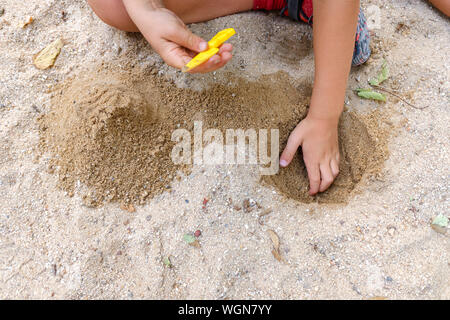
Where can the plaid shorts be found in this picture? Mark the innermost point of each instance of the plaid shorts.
(362, 42)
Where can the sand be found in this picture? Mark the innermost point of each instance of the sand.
(86, 213)
(110, 132)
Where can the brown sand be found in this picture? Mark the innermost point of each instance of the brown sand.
(363, 148)
(110, 132)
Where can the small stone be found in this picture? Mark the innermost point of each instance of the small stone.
(246, 205)
(197, 233)
(391, 231)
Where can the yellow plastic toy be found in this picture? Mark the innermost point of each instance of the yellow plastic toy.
(214, 44)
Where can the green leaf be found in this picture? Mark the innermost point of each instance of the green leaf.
(167, 262)
(383, 75)
(189, 238)
(370, 94)
(441, 221)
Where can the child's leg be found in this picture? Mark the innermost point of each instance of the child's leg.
(113, 12)
(443, 5)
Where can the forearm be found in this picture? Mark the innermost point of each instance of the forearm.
(334, 40)
(133, 5)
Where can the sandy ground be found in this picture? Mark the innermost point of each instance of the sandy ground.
(379, 244)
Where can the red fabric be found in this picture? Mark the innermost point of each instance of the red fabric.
(280, 4)
(268, 4)
(308, 7)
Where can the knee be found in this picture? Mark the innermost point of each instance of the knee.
(113, 13)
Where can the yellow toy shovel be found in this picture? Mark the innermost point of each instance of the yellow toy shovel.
(214, 45)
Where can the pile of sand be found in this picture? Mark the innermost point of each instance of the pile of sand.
(109, 132)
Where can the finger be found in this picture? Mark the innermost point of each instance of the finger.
(326, 177)
(207, 66)
(226, 47)
(185, 38)
(334, 165)
(313, 177)
(174, 55)
(191, 53)
(213, 64)
(294, 141)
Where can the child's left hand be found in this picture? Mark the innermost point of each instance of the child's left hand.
(320, 146)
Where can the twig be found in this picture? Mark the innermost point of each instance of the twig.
(397, 96)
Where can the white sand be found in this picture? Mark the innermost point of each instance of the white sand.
(380, 244)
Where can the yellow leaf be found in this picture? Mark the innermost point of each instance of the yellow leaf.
(47, 57)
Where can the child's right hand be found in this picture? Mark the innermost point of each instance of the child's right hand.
(172, 40)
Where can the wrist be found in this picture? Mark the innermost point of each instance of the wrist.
(326, 104)
(323, 122)
(327, 113)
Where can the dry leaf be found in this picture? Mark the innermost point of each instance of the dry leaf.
(195, 244)
(190, 239)
(27, 22)
(439, 229)
(276, 245)
(275, 239)
(47, 57)
(277, 255)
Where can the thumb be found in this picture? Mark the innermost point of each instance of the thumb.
(294, 141)
(185, 38)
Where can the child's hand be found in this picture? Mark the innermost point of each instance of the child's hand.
(319, 141)
(172, 40)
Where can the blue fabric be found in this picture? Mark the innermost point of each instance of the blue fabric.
(362, 43)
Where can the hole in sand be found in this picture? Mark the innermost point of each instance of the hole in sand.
(109, 132)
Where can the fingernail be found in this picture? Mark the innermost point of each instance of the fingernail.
(283, 163)
(203, 46)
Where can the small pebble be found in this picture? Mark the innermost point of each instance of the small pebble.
(197, 233)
